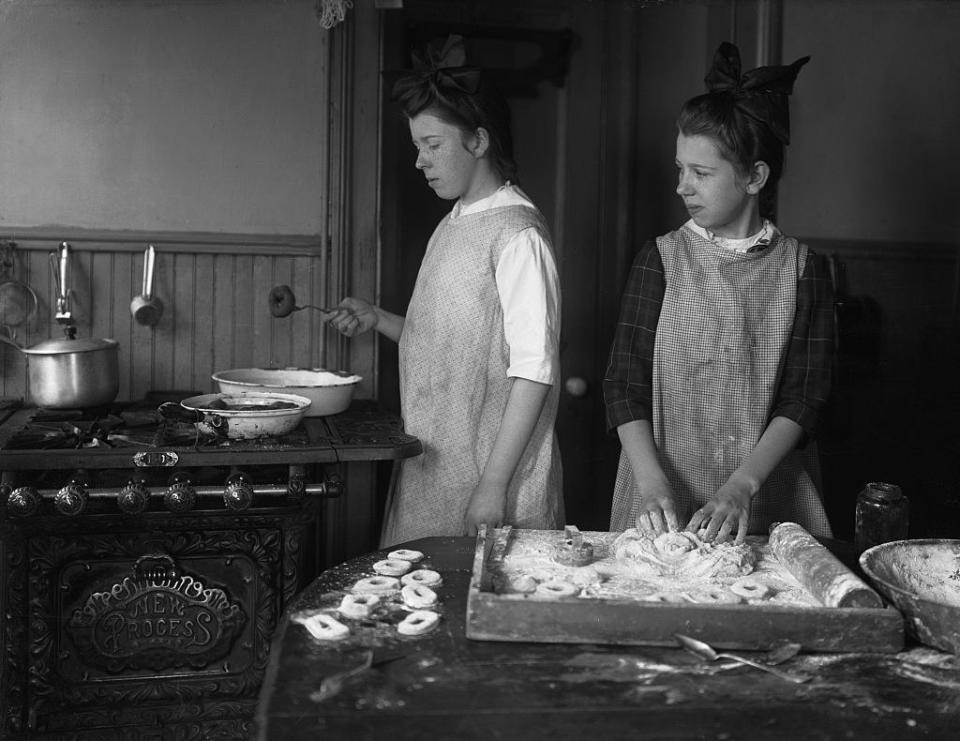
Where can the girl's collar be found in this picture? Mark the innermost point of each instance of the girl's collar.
(484, 203)
(754, 243)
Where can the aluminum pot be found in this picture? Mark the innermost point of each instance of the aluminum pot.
(72, 374)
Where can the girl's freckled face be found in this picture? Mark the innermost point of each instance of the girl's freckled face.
(712, 190)
(442, 155)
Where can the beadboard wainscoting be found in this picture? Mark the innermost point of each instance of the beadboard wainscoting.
(215, 309)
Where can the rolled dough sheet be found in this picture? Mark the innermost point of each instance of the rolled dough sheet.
(671, 571)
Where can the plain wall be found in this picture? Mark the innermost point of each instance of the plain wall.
(181, 115)
(875, 117)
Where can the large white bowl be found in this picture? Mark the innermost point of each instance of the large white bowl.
(922, 579)
(330, 392)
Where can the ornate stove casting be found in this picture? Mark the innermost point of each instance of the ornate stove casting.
(143, 571)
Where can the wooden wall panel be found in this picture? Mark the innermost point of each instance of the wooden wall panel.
(215, 316)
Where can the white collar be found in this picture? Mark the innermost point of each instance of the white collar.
(754, 243)
(507, 194)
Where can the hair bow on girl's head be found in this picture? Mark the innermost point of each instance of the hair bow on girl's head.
(440, 70)
(760, 93)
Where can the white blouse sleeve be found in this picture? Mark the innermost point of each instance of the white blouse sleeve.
(529, 288)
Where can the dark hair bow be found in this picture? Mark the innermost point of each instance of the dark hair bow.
(439, 70)
(760, 93)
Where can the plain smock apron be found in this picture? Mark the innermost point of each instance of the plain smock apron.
(722, 336)
(454, 386)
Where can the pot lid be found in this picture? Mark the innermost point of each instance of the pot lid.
(66, 345)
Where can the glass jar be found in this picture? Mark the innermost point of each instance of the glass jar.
(883, 514)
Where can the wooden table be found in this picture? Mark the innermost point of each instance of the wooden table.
(443, 685)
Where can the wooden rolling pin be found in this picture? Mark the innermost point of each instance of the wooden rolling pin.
(822, 573)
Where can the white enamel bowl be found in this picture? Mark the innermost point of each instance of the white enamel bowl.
(922, 579)
(247, 416)
(329, 392)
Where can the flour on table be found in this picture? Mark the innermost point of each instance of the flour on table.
(673, 567)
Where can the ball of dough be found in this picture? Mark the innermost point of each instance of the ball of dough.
(675, 545)
(392, 567)
(418, 622)
(406, 554)
(524, 584)
(323, 627)
(426, 577)
(358, 605)
(377, 584)
(418, 596)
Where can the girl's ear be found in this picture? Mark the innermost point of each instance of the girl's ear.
(758, 177)
(480, 143)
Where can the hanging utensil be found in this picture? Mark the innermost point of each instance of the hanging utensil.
(706, 651)
(60, 265)
(18, 302)
(147, 308)
(69, 373)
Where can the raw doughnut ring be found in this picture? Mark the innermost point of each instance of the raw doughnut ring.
(418, 596)
(358, 605)
(392, 567)
(282, 301)
(418, 622)
(426, 577)
(405, 554)
(669, 597)
(570, 554)
(377, 584)
(556, 588)
(322, 626)
(750, 588)
(715, 596)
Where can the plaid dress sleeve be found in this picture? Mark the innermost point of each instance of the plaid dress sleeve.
(805, 383)
(628, 381)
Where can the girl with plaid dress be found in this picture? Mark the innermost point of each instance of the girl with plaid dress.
(479, 344)
(721, 358)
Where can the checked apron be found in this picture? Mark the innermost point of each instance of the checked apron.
(454, 386)
(723, 331)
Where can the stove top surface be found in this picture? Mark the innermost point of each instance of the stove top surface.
(131, 432)
(131, 425)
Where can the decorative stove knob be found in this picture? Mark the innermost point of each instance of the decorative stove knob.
(133, 498)
(333, 486)
(23, 501)
(296, 486)
(238, 494)
(180, 497)
(71, 500)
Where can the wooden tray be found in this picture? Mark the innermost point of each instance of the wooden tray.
(514, 617)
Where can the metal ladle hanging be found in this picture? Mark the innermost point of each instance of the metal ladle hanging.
(147, 308)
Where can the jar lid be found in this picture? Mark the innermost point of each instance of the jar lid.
(65, 345)
(884, 491)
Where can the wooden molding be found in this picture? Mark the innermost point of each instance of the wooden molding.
(45, 238)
